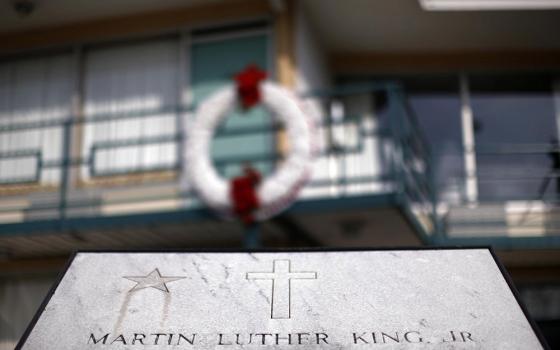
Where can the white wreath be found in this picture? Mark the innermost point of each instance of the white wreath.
(275, 192)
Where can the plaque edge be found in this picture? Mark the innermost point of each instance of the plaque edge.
(45, 302)
(490, 249)
(517, 296)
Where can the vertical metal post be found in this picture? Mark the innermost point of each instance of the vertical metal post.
(438, 232)
(471, 186)
(391, 116)
(185, 100)
(78, 117)
(556, 94)
(65, 171)
(184, 97)
(336, 115)
(396, 125)
(252, 236)
(69, 149)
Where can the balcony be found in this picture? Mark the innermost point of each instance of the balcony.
(373, 184)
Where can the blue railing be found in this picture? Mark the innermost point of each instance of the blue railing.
(516, 203)
(22, 154)
(406, 171)
(404, 160)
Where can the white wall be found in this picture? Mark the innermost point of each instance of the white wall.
(311, 58)
(313, 74)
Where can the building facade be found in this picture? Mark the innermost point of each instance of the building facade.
(436, 127)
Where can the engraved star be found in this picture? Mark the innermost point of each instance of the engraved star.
(153, 280)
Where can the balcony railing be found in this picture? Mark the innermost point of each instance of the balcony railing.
(517, 203)
(372, 152)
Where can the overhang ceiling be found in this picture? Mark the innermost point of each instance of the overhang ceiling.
(57, 12)
(343, 26)
(402, 25)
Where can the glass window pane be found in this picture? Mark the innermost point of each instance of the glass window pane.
(133, 89)
(515, 129)
(213, 65)
(36, 90)
(436, 104)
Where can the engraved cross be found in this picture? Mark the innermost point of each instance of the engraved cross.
(281, 277)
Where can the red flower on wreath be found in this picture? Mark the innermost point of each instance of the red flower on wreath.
(244, 194)
(248, 85)
(243, 191)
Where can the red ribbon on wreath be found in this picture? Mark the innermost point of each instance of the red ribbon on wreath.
(244, 195)
(248, 85)
(243, 189)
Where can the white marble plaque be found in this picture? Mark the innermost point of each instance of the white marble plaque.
(387, 299)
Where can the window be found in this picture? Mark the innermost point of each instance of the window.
(436, 104)
(214, 62)
(515, 128)
(33, 91)
(130, 101)
(130, 106)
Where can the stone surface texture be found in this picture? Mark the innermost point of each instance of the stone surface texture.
(394, 299)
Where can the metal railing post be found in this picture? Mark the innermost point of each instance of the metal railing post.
(395, 124)
(65, 171)
(438, 234)
(406, 132)
(252, 238)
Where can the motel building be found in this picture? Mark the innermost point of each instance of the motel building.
(437, 124)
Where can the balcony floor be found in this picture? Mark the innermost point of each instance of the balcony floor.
(372, 220)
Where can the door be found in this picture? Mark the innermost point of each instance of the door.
(214, 63)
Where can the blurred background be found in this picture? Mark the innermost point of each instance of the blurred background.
(439, 123)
